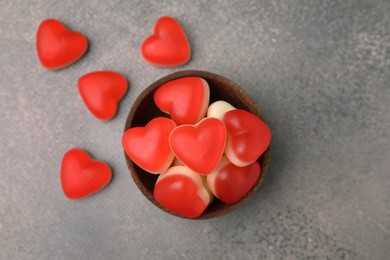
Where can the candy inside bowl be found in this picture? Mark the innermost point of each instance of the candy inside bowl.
(144, 110)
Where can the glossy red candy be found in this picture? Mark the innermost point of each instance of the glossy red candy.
(81, 175)
(101, 92)
(168, 45)
(248, 137)
(184, 99)
(148, 146)
(199, 147)
(181, 190)
(230, 183)
(57, 46)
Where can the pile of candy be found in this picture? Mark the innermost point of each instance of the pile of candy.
(200, 151)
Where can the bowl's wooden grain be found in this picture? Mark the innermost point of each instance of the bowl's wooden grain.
(144, 109)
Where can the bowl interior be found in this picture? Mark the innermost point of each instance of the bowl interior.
(144, 110)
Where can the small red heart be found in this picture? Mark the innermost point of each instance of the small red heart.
(82, 176)
(181, 190)
(199, 147)
(168, 45)
(101, 92)
(248, 137)
(148, 146)
(57, 46)
(230, 183)
(184, 99)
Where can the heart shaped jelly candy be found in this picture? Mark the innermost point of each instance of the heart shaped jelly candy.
(148, 146)
(81, 175)
(218, 109)
(101, 92)
(181, 190)
(168, 45)
(57, 46)
(248, 137)
(230, 183)
(184, 99)
(200, 147)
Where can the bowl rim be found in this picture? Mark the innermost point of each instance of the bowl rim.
(244, 98)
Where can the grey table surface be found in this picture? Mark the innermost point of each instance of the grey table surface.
(319, 71)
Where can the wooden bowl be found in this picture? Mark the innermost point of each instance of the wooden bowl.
(144, 109)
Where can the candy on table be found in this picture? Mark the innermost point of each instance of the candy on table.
(181, 190)
(219, 108)
(176, 162)
(81, 175)
(184, 99)
(248, 137)
(229, 183)
(58, 47)
(101, 92)
(168, 46)
(199, 147)
(148, 146)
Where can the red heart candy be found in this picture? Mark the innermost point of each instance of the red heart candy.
(248, 137)
(101, 92)
(181, 190)
(148, 146)
(168, 45)
(82, 176)
(184, 99)
(200, 147)
(230, 183)
(57, 46)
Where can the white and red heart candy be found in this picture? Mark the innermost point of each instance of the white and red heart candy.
(182, 191)
(188, 149)
(230, 183)
(148, 146)
(200, 146)
(248, 137)
(184, 99)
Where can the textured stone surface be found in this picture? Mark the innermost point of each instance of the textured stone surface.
(319, 70)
